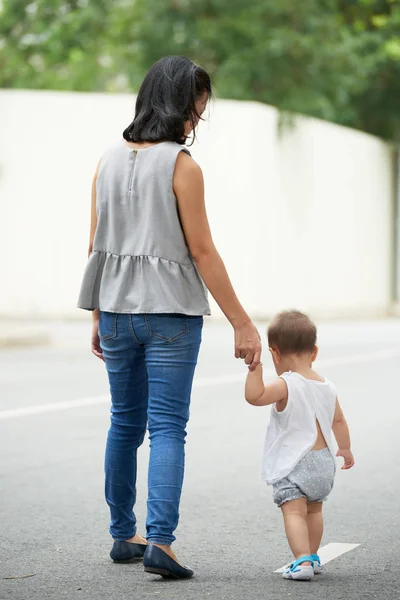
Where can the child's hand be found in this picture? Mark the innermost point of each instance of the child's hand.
(348, 458)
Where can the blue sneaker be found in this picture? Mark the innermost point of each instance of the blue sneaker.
(317, 564)
(298, 572)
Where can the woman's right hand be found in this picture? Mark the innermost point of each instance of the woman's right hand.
(248, 344)
(95, 338)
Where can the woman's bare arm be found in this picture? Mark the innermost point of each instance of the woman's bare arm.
(95, 341)
(188, 187)
(93, 212)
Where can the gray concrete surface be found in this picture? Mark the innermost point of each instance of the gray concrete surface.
(54, 520)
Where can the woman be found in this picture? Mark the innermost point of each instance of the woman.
(150, 252)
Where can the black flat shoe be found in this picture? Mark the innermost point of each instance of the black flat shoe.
(158, 562)
(125, 552)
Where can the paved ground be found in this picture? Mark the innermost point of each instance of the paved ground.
(54, 521)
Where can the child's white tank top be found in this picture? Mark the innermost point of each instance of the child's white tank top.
(293, 432)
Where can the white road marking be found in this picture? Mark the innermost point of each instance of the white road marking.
(328, 553)
(44, 408)
(198, 383)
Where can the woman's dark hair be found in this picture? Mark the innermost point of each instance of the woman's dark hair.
(166, 100)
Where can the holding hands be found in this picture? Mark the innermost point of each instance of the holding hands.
(248, 344)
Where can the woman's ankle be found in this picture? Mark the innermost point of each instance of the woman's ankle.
(168, 550)
(137, 539)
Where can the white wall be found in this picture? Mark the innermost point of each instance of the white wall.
(303, 219)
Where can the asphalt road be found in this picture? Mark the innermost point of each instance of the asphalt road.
(54, 520)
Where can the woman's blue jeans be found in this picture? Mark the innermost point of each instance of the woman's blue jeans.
(150, 361)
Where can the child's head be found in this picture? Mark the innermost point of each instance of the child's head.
(292, 334)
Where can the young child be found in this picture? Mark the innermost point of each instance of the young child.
(299, 456)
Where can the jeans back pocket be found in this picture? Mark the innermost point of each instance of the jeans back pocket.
(167, 327)
(107, 326)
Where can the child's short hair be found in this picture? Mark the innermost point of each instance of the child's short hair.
(292, 332)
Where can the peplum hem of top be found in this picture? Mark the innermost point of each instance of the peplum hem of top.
(142, 285)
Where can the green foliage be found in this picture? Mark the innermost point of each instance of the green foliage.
(53, 44)
(377, 23)
(334, 59)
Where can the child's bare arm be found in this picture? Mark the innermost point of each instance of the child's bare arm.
(259, 395)
(341, 432)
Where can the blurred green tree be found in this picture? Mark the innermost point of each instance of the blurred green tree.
(333, 59)
(54, 44)
(376, 23)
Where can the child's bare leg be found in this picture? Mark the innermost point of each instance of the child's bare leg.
(294, 516)
(315, 525)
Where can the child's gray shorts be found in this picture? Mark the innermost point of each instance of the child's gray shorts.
(312, 478)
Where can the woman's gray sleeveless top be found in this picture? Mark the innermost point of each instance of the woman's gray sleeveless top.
(140, 261)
